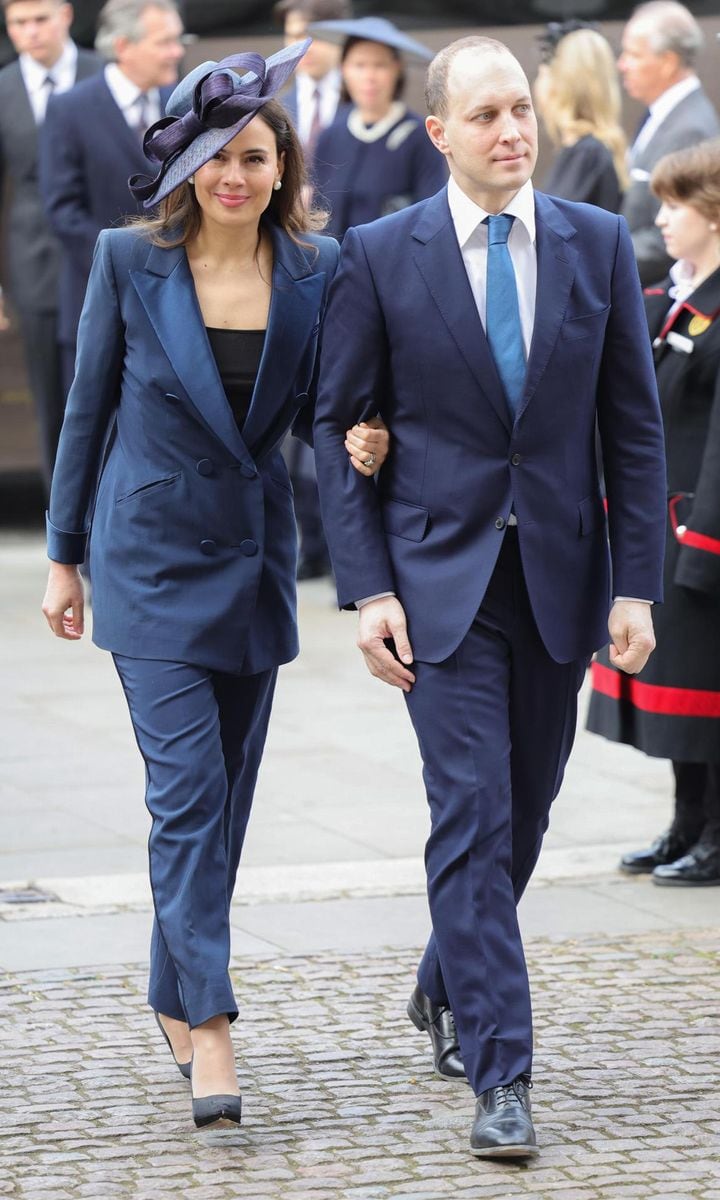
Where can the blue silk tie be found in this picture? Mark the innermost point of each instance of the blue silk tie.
(502, 320)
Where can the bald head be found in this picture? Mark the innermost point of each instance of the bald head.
(450, 61)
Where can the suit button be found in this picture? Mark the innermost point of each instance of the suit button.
(172, 397)
(516, 460)
(205, 466)
(500, 523)
(247, 472)
(248, 547)
(208, 546)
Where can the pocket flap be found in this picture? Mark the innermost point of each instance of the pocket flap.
(405, 520)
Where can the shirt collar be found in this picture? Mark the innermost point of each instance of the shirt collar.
(124, 92)
(667, 101)
(34, 73)
(467, 215)
(306, 85)
(681, 273)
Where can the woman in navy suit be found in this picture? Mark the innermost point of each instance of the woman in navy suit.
(197, 352)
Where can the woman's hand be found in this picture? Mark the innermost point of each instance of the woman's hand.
(64, 602)
(368, 445)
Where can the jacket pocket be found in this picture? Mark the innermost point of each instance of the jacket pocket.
(592, 514)
(584, 325)
(151, 485)
(405, 520)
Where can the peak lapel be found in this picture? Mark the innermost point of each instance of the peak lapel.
(556, 262)
(167, 292)
(440, 262)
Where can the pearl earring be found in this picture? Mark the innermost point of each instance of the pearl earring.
(277, 185)
(713, 227)
(191, 180)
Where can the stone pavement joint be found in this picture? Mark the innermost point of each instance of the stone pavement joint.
(339, 1096)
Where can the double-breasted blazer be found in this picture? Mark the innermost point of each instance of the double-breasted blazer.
(402, 335)
(192, 542)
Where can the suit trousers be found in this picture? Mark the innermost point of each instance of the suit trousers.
(42, 358)
(495, 723)
(201, 734)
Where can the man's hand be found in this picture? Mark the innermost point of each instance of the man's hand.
(631, 629)
(381, 619)
(64, 602)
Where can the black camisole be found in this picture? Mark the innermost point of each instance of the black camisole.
(237, 354)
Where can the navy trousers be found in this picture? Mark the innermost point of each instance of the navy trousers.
(201, 734)
(495, 723)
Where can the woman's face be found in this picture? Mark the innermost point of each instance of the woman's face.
(371, 72)
(235, 187)
(686, 232)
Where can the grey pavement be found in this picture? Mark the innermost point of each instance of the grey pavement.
(328, 919)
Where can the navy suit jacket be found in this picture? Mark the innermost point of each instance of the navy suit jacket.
(193, 544)
(87, 153)
(402, 336)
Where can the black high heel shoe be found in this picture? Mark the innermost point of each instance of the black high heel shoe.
(185, 1069)
(217, 1111)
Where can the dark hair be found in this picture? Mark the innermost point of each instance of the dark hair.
(436, 83)
(354, 41)
(691, 176)
(179, 215)
(313, 10)
(555, 31)
(5, 4)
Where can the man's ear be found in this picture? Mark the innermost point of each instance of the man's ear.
(436, 133)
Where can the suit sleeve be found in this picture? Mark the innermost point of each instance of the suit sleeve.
(303, 425)
(352, 387)
(90, 410)
(699, 560)
(63, 183)
(631, 434)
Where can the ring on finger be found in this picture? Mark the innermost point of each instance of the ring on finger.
(370, 461)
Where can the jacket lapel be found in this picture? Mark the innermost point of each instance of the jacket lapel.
(556, 262)
(167, 292)
(439, 260)
(295, 309)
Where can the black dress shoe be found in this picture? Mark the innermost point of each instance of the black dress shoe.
(665, 849)
(217, 1111)
(503, 1126)
(700, 867)
(185, 1069)
(438, 1021)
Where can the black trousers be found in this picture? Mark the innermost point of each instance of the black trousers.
(42, 358)
(697, 802)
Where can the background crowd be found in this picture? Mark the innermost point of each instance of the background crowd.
(72, 124)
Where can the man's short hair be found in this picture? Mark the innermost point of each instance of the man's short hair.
(123, 18)
(5, 4)
(671, 26)
(436, 83)
(313, 10)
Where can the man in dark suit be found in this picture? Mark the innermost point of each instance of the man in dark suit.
(48, 63)
(659, 48)
(312, 101)
(92, 141)
(492, 327)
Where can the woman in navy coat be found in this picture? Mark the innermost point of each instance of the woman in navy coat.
(376, 157)
(197, 352)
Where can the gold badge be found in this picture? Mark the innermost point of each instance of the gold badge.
(698, 325)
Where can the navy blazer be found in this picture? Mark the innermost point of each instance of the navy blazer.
(87, 153)
(402, 336)
(193, 544)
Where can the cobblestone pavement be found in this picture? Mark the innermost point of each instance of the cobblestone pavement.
(340, 1100)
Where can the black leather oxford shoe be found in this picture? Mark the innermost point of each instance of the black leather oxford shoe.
(503, 1126)
(438, 1021)
(700, 867)
(665, 849)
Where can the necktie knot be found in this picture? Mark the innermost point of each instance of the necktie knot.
(499, 226)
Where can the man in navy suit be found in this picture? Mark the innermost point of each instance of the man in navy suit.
(493, 328)
(91, 141)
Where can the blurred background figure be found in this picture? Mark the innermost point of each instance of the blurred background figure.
(92, 139)
(659, 47)
(577, 96)
(672, 708)
(314, 95)
(312, 101)
(48, 63)
(376, 157)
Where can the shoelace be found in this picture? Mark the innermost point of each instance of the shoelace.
(509, 1093)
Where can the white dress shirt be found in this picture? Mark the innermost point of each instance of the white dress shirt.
(329, 88)
(35, 78)
(660, 109)
(126, 95)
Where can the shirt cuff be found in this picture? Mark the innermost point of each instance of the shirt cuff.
(367, 599)
(632, 600)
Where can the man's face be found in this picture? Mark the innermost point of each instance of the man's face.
(321, 58)
(489, 135)
(153, 60)
(645, 73)
(39, 28)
